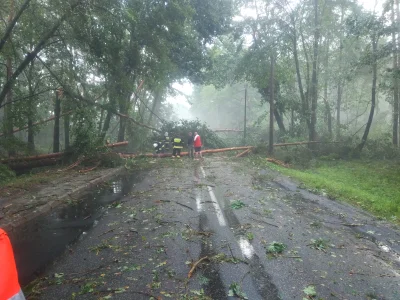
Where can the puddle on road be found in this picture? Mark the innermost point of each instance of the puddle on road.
(44, 239)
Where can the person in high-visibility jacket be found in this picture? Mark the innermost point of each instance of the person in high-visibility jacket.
(166, 143)
(9, 285)
(177, 146)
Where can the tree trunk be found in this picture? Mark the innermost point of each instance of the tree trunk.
(56, 135)
(338, 107)
(123, 109)
(106, 125)
(328, 114)
(304, 100)
(31, 135)
(31, 111)
(101, 120)
(314, 83)
(12, 21)
(339, 84)
(8, 109)
(279, 121)
(373, 94)
(292, 122)
(271, 107)
(66, 131)
(395, 82)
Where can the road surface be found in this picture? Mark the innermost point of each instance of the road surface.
(224, 214)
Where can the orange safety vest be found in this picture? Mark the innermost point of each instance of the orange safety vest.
(9, 285)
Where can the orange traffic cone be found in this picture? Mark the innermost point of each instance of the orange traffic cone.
(9, 285)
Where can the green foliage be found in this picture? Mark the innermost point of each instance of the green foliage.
(250, 236)
(6, 174)
(319, 244)
(237, 204)
(84, 133)
(182, 127)
(310, 292)
(381, 148)
(276, 248)
(235, 290)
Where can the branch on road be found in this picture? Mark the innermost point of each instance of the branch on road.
(190, 274)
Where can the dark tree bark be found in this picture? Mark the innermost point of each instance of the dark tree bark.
(8, 109)
(279, 120)
(11, 24)
(31, 111)
(66, 131)
(328, 115)
(304, 101)
(292, 122)
(271, 107)
(31, 135)
(373, 94)
(57, 113)
(101, 121)
(340, 81)
(123, 108)
(314, 83)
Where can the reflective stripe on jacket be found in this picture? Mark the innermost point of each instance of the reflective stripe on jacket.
(9, 285)
(177, 143)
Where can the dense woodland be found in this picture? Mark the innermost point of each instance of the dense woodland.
(97, 70)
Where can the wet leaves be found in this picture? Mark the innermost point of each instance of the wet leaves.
(237, 204)
(319, 244)
(276, 248)
(250, 236)
(222, 257)
(310, 292)
(235, 290)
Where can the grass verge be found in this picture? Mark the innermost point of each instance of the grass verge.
(371, 185)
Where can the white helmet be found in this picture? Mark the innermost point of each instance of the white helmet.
(166, 133)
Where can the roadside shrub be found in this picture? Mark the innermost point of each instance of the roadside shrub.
(6, 174)
(381, 148)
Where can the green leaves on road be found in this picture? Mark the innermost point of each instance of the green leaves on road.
(237, 204)
(235, 290)
(310, 292)
(276, 248)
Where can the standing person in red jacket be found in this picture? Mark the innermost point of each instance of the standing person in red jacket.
(197, 146)
(9, 285)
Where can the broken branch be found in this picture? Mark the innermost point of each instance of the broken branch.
(195, 266)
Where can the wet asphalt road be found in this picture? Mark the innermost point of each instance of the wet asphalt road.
(145, 244)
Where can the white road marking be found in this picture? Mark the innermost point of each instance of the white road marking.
(220, 215)
(202, 171)
(198, 200)
(246, 247)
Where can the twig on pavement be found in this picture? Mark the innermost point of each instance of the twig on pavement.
(265, 222)
(195, 266)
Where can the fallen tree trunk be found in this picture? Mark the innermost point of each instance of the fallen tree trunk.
(209, 151)
(278, 162)
(243, 153)
(295, 144)
(227, 130)
(57, 155)
(23, 165)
